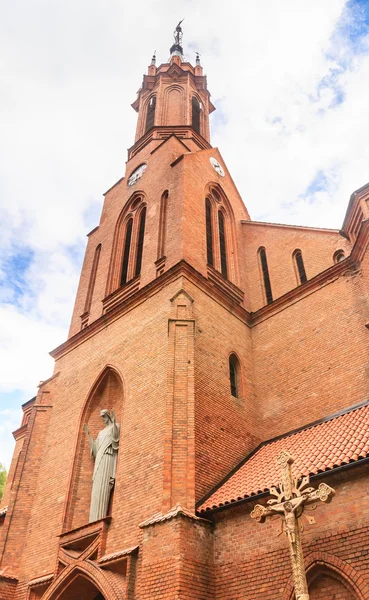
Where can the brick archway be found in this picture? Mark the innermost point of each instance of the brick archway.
(101, 581)
(324, 563)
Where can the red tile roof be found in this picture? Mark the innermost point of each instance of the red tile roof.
(319, 447)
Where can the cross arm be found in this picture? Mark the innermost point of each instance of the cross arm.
(324, 493)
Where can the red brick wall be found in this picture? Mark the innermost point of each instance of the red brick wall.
(317, 248)
(310, 358)
(176, 561)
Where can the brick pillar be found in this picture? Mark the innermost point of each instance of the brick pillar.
(179, 450)
(24, 486)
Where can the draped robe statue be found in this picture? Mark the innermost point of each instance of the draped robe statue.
(104, 450)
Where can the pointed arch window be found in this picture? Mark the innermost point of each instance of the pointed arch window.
(140, 241)
(150, 115)
(209, 233)
(300, 267)
(234, 375)
(126, 252)
(265, 272)
(162, 224)
(196, 110)
(222, 245)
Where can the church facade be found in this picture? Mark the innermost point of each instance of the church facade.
(205, 344)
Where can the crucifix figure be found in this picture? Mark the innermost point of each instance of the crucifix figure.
(289, 501)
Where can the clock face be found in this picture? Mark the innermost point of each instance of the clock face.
(216, 166)
(137, 173)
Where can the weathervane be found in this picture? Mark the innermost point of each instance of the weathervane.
(176, 49)
(288, 502)
(178, 34)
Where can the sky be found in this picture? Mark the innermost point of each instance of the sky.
(290, 82)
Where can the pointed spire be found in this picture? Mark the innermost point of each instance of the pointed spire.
(177, 49)
(153, 59)
(198, 58)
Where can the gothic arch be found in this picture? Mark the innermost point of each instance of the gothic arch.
(174, 105)
(220, 203)
(91, 574)
(107, 392)
(150, 112)
(132, 209)
(323, 563)
(235, 375)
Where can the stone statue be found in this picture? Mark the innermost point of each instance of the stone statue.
(104, 450)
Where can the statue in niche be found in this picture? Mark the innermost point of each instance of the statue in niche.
(104, 451)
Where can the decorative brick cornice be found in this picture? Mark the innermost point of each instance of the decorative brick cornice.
(5, 573)
(115, 556)
(41, 580)
(174, 512)
(225, 294)
(164, 132)
(182, 268)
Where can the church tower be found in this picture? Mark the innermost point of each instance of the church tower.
(198, 339)
(155, 315)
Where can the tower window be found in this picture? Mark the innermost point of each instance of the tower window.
(150, 116)
(266, 278)
(127, 248)
(234, 375)
(209, 233)
(300, 266)
(222, 245)
(196, 109)
(140, 241)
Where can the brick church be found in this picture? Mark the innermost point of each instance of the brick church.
(207, 343)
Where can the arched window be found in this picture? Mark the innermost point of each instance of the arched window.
(222, 245)
(266, 278)
(162, 224)
(209, 233)
(300, 266)
(150, 116)
(126, 251)
(91, 283)
(140, 241)
(196, 109)
(338, 256)
(234, 375)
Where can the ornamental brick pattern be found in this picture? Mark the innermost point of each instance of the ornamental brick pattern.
(156, 350)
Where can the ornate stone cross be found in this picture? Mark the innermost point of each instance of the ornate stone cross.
(290, 499)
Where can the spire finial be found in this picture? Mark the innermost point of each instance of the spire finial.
(176, 49)
(198, 58)
(153, 59)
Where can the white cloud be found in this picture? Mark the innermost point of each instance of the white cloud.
(290, 84)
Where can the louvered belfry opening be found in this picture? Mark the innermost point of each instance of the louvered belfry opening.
(140, 241)
(127, 248)
(266, 278)
(150, 116)
(300, 266)
(222, 245)
(209, 233)
(196, 110)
